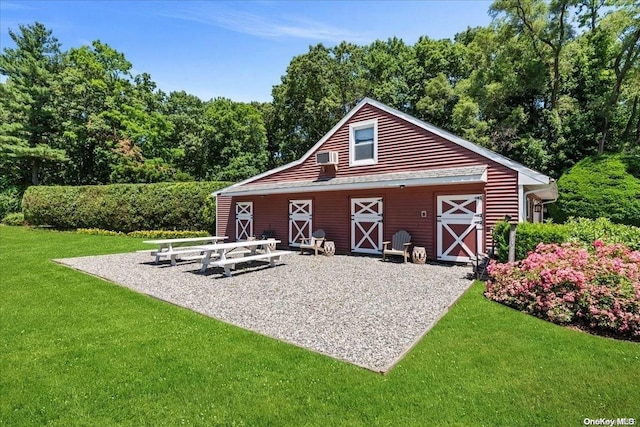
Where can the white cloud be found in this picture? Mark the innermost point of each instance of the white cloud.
(267, 26)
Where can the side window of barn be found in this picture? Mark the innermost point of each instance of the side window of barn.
(363, 143)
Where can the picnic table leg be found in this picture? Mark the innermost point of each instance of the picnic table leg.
(227, 270)
(227, 267)
(205, 261)
(272, 260)
(158, 254)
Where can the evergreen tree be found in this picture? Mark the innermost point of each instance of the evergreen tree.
(30, 127)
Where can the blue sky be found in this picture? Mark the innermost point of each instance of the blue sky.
(239, 49)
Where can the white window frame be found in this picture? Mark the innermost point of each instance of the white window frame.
(353, 127)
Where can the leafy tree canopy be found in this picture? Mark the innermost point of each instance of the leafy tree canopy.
(548, 84)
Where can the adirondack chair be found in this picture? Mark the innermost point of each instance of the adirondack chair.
(268, 234)
(315, 243)
(400, 243)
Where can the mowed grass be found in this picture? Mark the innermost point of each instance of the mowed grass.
(77, 350)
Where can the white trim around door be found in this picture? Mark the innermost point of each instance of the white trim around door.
(300, 221)
(244, 220)
(366, 225)
(460, 221)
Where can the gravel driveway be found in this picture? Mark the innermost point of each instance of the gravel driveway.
(357, 309)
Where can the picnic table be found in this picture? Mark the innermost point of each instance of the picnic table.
(174, 247)
(227, 255)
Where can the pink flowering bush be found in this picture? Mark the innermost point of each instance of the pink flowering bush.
(596, 289)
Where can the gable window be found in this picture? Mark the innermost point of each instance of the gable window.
(363, 143)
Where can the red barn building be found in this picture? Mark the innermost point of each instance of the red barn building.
(379, 171)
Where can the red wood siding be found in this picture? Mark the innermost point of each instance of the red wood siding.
(225, 217)
(398, 141)
(501, 197)
(403, 147)
(331, 212)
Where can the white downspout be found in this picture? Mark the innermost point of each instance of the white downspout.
(523, 206)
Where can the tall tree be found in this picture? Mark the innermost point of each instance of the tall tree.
(315, 93)
(547, 26)
(97, 85)
(30, 128)
(234, 140)
(273, 132)
(186, 114)
(624, 24)
(439, 65)
(385, 66)
(110, 114)
(589, 12)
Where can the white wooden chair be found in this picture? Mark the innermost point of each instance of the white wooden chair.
(315, 243)
(400, 243)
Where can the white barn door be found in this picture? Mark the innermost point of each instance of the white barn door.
(300, 221)
(244, 220)
(460, 227)
(366, 225)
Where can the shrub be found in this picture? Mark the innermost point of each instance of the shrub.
(581, 230)
(123, 207)
(600, 186)
(16, 218)
(587, 230)
(9, 201)
(167, 234)
(145, 234)
(98, 232)
(528, 236)
(597, 289)
(501, 240)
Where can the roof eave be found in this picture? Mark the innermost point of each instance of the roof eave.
(546, 192)
(534, 178)
(399, 183)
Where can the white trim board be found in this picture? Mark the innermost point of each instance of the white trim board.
(465, 176)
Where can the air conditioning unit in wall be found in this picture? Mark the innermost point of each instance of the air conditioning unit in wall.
(324, 158)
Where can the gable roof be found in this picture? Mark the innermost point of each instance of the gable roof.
(526, 176)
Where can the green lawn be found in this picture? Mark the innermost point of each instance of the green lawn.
(77, 350)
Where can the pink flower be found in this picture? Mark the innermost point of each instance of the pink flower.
(566, 283)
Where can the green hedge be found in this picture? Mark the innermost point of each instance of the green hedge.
(124, 207)
(600, 186)
(528, 236)
(168, 234)
(582, 230)
(145, 234)
(9, 201)
(13, 219)
(587, 231)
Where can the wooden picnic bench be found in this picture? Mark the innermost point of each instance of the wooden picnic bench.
(174, 248)
(227, 255)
